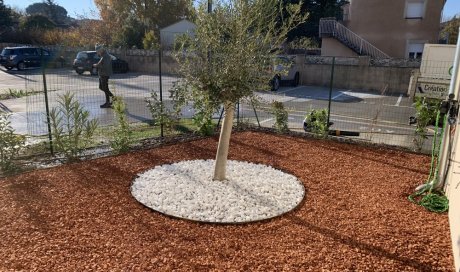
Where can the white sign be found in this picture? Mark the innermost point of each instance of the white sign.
(432, 88)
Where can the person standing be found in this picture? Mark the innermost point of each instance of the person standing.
(104, 69)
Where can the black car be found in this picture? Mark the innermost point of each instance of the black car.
(85, 59)
(24, 57)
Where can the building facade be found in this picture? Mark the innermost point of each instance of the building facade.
(396, 28)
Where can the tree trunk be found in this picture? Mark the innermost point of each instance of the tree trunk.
(224, 142)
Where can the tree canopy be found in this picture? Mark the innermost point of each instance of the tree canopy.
(230, 56)
(131, 20)
(36, 22)
(316, 10)
(450, 30)
(6, 19)
(49, 9)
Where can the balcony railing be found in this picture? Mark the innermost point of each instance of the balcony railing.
(329, 27)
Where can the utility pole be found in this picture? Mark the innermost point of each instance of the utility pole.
(452, 101)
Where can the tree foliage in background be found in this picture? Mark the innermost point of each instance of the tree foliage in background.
(36, 23)
(49, 9)
(131, 33)
(150, 40)
(140, 16)
(450, 30)
(6, 20)
(229, 56)
(316, 9)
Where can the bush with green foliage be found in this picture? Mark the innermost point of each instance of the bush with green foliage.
(316, 121)
(281, 117)
(150, 40)
(36, 23)
(122, 134)
(10, 143)
(71, 127)
(161, 115)
(303, 43)
(426, 112)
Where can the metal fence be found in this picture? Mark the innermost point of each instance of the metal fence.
(373, 115)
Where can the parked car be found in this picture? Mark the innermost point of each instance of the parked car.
(24, 57)
(85, 59)
(286, 73)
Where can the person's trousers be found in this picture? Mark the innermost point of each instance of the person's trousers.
(104, 86)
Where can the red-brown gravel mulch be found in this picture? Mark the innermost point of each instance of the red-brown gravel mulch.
(355, 217)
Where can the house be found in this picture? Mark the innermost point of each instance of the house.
(382, 28)
(168, 34)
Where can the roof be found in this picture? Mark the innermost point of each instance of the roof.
(172, 26)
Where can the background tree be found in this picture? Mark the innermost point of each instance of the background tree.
(6, 20)
(49, 9)
(316, 9)
(36, 22)
(150, 40)
(228, 57)
(131, 34)
(152, 14)
(450, 30)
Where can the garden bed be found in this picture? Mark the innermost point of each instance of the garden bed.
(355, 215)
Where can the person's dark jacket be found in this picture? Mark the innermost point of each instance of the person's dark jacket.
(104, 66)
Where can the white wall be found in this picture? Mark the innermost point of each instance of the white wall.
(169, 33)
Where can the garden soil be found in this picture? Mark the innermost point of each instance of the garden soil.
(355, 216)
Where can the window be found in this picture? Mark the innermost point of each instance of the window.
(415, 50)
(415, 9)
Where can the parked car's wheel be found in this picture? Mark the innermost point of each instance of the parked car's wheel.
(21, 66)
(93, 71)
(9, 67)
(276, 82)
(79, 71)
(296, 80)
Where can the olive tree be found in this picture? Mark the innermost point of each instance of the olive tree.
(230, 56)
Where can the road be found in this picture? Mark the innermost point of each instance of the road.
(378, 117)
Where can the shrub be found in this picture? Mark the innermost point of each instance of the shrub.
(71, 128)
(426, 111)
(281, 117)
(150, 41)
(316, 122)
(122, 134)
(161, 115)
(10, 144)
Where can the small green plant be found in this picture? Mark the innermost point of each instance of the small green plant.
(281, 117)
(161, 115)
(16, 93)
(10, 144)
(426, 111)
(316, 122)
(71, 128)
(122, 134)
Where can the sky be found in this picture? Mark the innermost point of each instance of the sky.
(76, 8)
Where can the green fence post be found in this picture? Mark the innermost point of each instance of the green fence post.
(330, 92)
(161, 92)
(45, 89)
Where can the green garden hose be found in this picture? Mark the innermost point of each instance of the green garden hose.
(424, 195)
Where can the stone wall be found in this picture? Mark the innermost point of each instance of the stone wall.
(358, 73)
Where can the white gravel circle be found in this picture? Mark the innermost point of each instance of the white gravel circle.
(185, 189)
